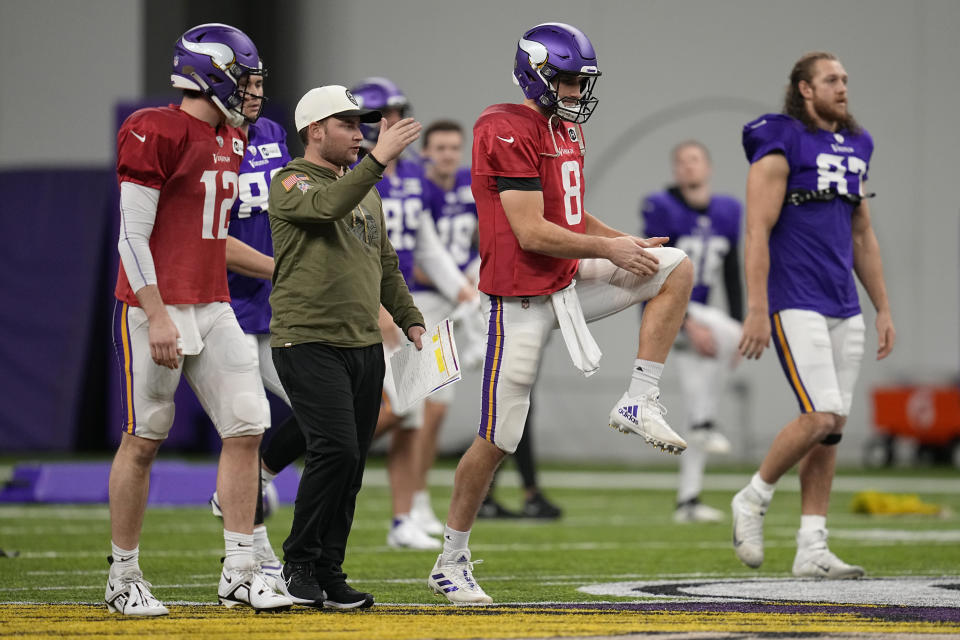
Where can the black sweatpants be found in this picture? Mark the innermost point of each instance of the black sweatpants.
(335, 396)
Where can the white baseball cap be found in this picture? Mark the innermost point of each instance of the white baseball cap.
(331, 100)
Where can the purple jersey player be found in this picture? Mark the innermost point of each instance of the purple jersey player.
(808, 231)
(707, 227)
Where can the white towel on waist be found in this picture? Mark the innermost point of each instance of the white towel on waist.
(573, 326)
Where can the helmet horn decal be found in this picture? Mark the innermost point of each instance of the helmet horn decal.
(535, 51)
(221, 55)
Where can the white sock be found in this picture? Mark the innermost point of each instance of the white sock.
(454, 541)
(645, 378)
(762, 487)
(239, 549)
(260, 538)
(400, 518)
(421, 500)
(813, 523)
(125, 558)
(266, 476)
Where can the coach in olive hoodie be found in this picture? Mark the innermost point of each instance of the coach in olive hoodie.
(334, 267)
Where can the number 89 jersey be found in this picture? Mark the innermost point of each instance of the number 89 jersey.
(266, 154)
(514, 141)
(811, 245)
(194, 166)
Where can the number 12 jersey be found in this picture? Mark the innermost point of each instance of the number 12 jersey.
(195, 167)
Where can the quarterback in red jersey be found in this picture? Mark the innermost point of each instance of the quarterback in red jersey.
(177, 168)
(546, 262)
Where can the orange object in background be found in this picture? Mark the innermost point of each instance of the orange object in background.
(927, 414)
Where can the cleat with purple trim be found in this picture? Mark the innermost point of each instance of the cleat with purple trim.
(643, 415)
(455, 580)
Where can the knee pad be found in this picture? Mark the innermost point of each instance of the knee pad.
(251, 408)
(159, 419)
(832, 439)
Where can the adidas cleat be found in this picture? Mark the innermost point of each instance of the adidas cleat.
(643, 415)
(454, 580)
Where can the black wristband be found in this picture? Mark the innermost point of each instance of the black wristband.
(377, 162)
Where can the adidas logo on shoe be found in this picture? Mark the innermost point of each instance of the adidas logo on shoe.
(630, 413)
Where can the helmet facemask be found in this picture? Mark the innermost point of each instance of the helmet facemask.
(582, 110)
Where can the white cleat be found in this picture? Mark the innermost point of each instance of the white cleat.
(128, 593)
(748, 510)
(709, 440)
(249, 587)
(455, 580)
(643, 415)
(270, 566)
(422, 514)
(815, 560)
(696, 511)
(405, 534)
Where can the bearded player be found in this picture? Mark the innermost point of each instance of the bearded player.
(808, 232)
(536, 239)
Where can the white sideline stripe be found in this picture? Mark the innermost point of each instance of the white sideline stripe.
(880, 538)
(668, 480)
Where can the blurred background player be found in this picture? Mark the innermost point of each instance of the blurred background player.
(707, 228)
(808, 231)
(177, 167)
(449, 200)
(413, 234)
(535, 238)
(251, 269)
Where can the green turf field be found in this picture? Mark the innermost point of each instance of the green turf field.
(607, 534)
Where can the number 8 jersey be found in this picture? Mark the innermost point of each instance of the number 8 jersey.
(811, 244)
(514, 141)
(194, 166)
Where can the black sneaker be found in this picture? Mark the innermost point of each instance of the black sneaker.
(340, 595)
(490, 508)
(299, 583)
(539, 507)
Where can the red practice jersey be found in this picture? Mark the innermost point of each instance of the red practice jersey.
(194, 166)
(514, 141)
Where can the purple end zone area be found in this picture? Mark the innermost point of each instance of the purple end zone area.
(171, 483)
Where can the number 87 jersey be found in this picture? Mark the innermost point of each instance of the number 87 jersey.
(811, 244)
(514, 141)
(194, 167)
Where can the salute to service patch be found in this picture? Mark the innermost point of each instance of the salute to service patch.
(291, 180)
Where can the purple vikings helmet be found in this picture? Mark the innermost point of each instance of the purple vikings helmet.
(212, 58)
(548, 50)
(380, 94)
